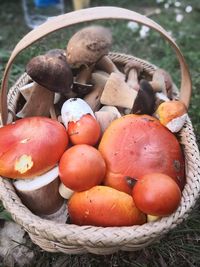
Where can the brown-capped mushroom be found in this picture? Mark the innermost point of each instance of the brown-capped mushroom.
(145, 100)
(88, 45)
(51, 73)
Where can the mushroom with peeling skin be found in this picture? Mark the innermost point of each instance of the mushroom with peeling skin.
(40, 194)
(51, 74)
(80, 122)
(172, 114)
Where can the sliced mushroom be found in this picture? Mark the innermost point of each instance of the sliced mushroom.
(52, 73)
(117, 92)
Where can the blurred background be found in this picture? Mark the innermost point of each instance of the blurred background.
(182, 20)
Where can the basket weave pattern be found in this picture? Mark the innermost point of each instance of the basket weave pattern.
(73, 239)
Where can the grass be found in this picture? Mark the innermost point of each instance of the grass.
(181, 246)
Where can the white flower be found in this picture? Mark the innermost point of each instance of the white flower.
(179, 17)
(188, 9)
(144, 31)
(177, 4)
(133, 26)
(166, 5)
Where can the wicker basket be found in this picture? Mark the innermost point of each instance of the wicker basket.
(73, 239)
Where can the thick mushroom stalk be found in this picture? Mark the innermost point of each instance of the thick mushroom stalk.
(81, 85)
(98, 79)
(40, 194)
(132, 70)
(51, 74)
(40, 102)
(162, 85)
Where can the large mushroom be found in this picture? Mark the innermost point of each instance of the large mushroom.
(88, 45)
(84, 49)
(50, 73)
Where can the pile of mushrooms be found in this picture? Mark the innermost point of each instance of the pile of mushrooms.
(83, 80)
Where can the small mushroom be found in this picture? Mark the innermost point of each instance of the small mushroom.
(132, 70)
(73, 109)
(162, 85)
(98, 79)
(40, 194)
(145, 100)
(81, 124)
(172, 114)
(50, 72)
(106, 115)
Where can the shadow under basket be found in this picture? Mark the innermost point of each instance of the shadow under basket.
(72, 239)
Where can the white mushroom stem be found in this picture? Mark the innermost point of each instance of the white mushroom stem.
(132, 79)
(98, 80)
(152, 218)
(117, 92)
(106, 115)
(85, 74)
(107, 65)
(40, 194)
(65, 192)
(158, 82)
(27, 89)
(39, 103)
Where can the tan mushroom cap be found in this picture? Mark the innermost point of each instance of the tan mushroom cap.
(88, 45)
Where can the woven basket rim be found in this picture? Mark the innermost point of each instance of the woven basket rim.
(126, 237)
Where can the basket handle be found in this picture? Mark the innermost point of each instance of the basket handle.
(91, 14)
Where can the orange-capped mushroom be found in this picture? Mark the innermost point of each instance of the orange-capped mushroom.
(79, 120)
(135, 145)
(104, 206)
(81, 167)
(26, 147)
(172, 114)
